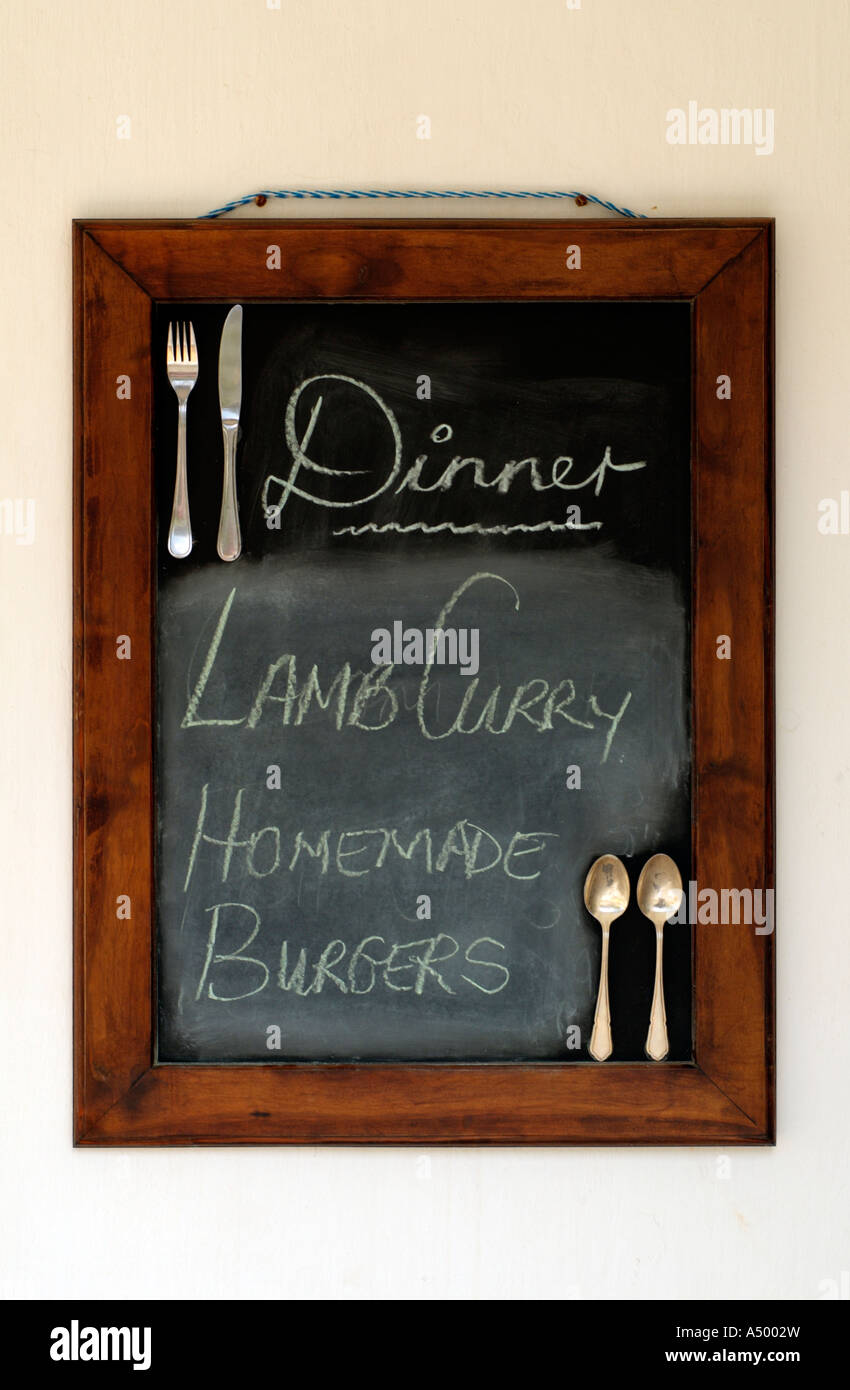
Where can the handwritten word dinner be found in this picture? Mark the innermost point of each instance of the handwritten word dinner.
(425, 475)
(367, 700)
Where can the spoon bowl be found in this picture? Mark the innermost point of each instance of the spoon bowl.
(606, 888)
(659, 890)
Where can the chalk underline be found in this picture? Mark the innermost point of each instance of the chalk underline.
(474, 528)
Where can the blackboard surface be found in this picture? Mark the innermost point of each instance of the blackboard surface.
(299, 908)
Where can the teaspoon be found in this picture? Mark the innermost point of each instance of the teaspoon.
(659, 893)
(606, 897)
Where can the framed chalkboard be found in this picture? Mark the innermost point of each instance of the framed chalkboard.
(501, 606)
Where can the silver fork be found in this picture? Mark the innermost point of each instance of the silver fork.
(182, 367)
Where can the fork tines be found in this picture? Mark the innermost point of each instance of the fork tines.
(186, 348)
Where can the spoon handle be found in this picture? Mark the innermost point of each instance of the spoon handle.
(601, 1043)
(657, 1045)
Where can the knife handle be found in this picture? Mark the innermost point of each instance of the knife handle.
(229, 538)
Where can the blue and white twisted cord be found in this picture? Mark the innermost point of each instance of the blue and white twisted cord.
(347, 194)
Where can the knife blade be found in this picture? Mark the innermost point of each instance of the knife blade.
(230, 401)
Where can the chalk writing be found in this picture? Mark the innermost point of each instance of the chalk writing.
(353, 853)
(367, 701)
(406, 967)
(424, 475)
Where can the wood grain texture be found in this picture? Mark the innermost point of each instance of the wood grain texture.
(725, 269)
(112, 703)
(422, 260)
(583, 1104)
(733, 700)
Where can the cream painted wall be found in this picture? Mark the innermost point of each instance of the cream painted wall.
(226, 96)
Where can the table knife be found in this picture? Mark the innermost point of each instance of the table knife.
(230, 400)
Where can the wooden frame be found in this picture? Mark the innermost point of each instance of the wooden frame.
(725, 269)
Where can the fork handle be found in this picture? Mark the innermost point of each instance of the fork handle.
(601, 1041)
(229, 537)
(180, 530)
(657, 1045)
